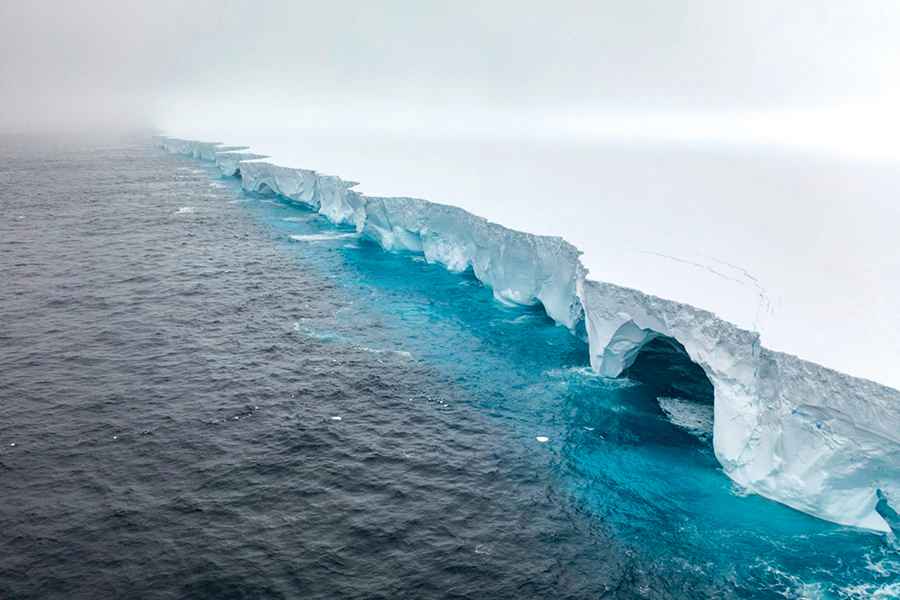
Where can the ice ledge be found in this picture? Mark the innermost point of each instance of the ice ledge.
(790, 430)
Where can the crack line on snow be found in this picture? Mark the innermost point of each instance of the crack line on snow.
(764, 304)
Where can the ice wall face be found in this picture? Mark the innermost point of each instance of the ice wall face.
(228, 161)
(200, 150)
(520, 268)
(828, 442)
(331, 196)
(795, 432)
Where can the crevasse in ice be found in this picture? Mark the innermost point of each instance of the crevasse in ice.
(793, 431)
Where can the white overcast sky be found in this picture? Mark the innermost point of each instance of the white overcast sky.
(763, 134)
(813, 73)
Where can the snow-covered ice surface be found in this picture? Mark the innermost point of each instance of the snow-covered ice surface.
(797, 254)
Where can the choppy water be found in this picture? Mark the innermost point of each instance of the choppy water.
(210, 395)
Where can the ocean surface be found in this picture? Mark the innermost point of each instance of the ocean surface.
(206, 394)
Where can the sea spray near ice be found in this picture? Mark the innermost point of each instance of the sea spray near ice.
(793, 431)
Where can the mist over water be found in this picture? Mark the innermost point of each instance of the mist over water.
(813, 75)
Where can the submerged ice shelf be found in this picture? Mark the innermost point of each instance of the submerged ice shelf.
(790, 430)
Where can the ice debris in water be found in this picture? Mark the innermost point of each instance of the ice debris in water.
(793, 431)
(336, 418)
(322, 237)
(542, 439)
(695, 417)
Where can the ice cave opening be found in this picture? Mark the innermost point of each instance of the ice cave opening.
(664, 365)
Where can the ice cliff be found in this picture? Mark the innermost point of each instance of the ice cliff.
(814, 439)
(228, 161)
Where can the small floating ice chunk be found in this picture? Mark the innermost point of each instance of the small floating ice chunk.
(335, 418)
(322, 237)
(543, 439)
(12, 444)
(184, 210)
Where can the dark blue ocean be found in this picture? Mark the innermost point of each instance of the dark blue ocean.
(205, 394)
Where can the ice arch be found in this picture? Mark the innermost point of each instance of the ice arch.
(787, 429)
(621, 321)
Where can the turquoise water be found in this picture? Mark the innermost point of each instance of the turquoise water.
(610, 448)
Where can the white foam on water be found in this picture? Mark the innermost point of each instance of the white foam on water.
(402, 353)
(872, 591)
(521, 319)
(317, 335)
(185, 210)
(887, 565)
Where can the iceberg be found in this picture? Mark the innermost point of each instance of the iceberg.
(790, 430)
